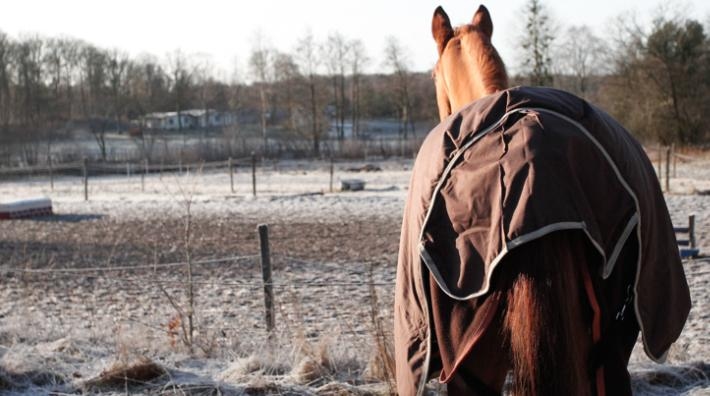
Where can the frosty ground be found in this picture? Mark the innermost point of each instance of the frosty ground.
(101, 285)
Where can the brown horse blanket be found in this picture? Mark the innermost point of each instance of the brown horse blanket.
(508, 169)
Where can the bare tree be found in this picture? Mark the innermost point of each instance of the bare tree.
(397, 60)
(7, 141)
(70, 51)
(5, 82)
(581, 55)
(30, 95)
(150, 86)
(286, 77)
(260, 65)
(358, 59)
(204, 72)
(94, 94)
(147, 93)
(335, 52)
(57, 64)
(117, 68)
(308, 60)
(181, 76)
(54, 65)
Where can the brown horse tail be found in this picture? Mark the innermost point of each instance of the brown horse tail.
(547, 319)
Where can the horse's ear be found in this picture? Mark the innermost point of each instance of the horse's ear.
(482, 20)
(441, 29)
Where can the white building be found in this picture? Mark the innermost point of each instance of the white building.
(189, 119)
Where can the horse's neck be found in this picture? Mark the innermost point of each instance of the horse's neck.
(492, 84)
(476, 89)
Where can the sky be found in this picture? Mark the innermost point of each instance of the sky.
(224, 31)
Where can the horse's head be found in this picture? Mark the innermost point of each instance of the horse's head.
(468, 67)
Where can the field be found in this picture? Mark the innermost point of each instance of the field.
(95, 298)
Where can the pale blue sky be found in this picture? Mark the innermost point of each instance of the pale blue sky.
(224, 29)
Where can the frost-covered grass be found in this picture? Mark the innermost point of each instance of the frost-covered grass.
(64, 331)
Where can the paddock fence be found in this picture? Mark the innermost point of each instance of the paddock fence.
(132, 177)
(231, 301)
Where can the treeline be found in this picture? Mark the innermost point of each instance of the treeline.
(660, 85)
(654, 80)
(51, 88)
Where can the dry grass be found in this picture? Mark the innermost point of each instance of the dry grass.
(13, 380)
(126, 374)
(381, 366)
(671, 380)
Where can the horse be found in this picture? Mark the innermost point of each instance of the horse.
(537, 319)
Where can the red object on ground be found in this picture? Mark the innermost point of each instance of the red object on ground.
(25, 208)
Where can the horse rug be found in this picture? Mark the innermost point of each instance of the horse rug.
(510, 168)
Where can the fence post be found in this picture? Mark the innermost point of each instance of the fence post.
(691, 231)
(128, 169)
(668, 169)
(231, 175)
(675, 159)
(85, 170)
(144, 174)
(51, 174)
(332, 170)
(266, 276)
(253, 173)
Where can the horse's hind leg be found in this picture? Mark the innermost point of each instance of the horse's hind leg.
(484, 372)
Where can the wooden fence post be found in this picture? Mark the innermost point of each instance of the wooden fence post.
(668, 169)
(51, 174)
(253, 173)
(691, 231)
(85, 170)
(675, 160)
(332, 170)
(266, 276)
(144, 174)
(231, 175)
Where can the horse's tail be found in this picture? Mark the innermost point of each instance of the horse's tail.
(546, 319)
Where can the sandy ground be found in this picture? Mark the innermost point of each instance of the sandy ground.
(102, 283)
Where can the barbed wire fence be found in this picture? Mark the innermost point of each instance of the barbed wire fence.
(92, 176)
(85, 170)
(309, 301)
(666, 158)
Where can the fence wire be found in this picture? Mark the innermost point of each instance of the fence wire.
(130, 168)
(101, 302)
(127, 267)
